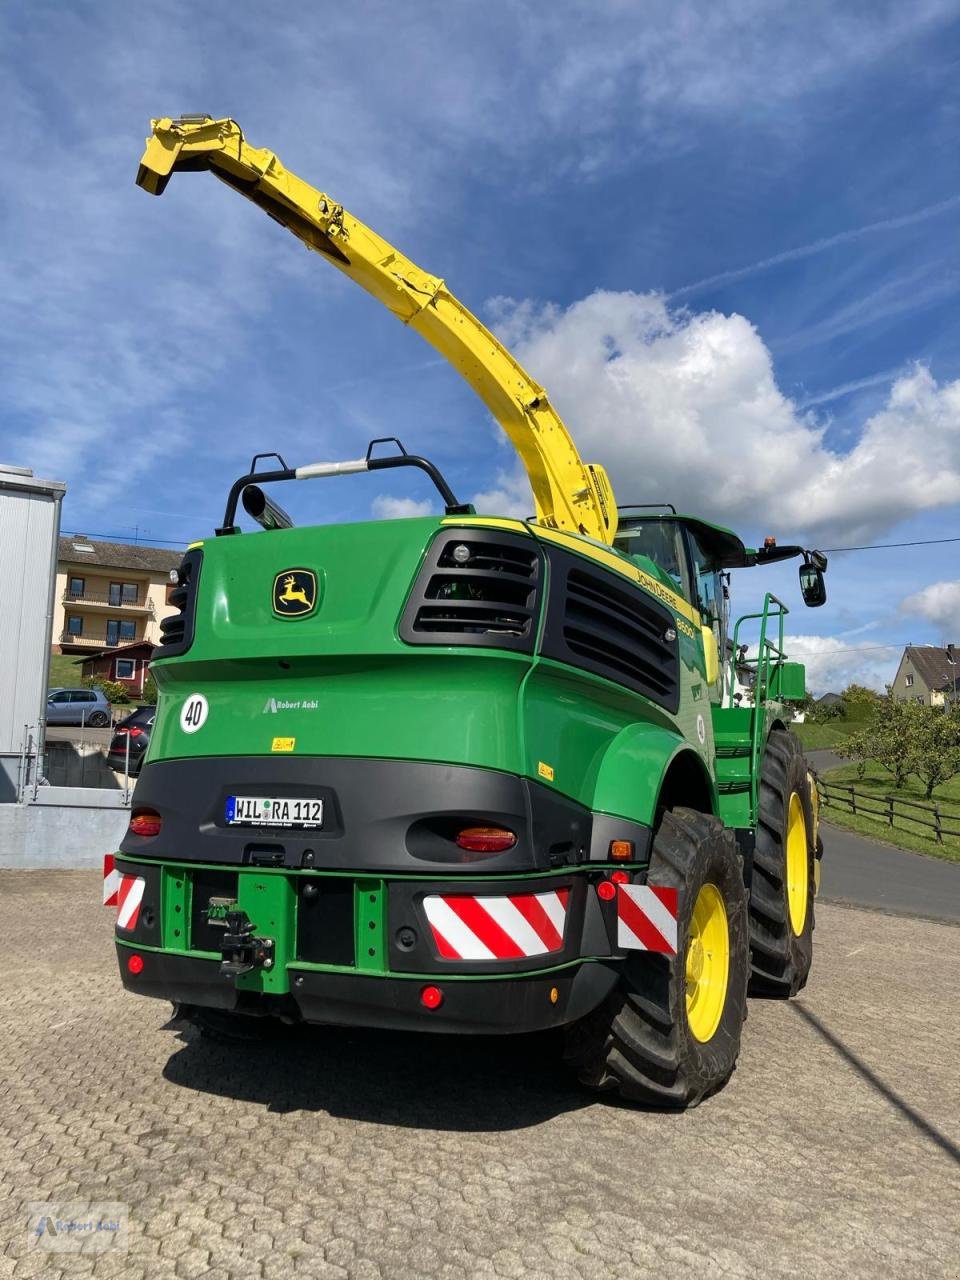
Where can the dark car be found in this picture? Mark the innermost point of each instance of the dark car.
(134, 730)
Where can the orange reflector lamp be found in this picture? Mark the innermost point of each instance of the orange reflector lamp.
(135, 964)
(621, 850)
(145, 823)
(431, 997)
(486, 839)
(606, 890)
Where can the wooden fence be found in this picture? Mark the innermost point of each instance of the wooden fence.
(887, 809)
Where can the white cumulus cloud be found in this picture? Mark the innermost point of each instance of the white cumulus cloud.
(385, 507)
(832, 663)
(685, 407)
(939, 603)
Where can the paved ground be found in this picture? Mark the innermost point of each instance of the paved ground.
(832, 1152)
(72, 733)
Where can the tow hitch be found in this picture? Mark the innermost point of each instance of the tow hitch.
(240, 950)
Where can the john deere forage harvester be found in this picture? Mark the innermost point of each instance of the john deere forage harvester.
(467, 773)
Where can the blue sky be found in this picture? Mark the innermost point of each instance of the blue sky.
(725, 236)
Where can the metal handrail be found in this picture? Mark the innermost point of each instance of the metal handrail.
(90, 597)
(769, 656)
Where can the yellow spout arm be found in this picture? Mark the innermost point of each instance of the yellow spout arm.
(569, 494)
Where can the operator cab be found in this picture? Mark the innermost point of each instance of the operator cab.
(688, 556)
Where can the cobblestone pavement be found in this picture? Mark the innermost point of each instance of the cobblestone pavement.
(832, 1152)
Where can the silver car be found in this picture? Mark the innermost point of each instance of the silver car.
(78, 706)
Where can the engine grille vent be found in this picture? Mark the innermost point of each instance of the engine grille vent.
(476, 587)
(602, 625)
(176, 631)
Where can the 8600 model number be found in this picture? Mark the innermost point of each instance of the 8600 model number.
(274, 811)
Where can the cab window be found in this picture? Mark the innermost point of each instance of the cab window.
(659, 541)
(706, 582)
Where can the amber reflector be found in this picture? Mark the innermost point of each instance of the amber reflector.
(621, 850)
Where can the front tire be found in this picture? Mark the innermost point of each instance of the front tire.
(670, 1034)
(783, 885)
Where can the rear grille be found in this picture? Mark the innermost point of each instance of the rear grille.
(176, 631)
(597, 622)
(485, 594)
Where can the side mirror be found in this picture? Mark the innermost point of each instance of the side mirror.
(812, 587)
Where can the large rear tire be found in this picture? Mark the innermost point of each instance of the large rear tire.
(670, 1034)
(783, 884)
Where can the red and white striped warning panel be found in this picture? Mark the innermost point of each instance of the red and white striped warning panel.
(647, 918)
(129, 897)
(111, 880)
(507, 927)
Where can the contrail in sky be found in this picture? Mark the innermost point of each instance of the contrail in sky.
(818, 246)
(859, 384)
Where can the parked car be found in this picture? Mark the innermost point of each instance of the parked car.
(135, 730)
(78, 706)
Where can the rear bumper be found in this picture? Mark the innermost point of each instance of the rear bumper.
(487, 1006)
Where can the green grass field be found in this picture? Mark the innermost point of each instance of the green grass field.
(815, 737)
(908, 835)
(64, 671)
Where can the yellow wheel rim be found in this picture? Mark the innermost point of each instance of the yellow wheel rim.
(798, 877)
(708, 963)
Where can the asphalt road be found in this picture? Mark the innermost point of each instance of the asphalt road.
(862, 871)
(833, 1152)
(858, 870)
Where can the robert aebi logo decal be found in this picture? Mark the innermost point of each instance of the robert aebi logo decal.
(294, 593)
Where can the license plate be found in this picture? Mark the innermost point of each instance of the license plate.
(274, 811)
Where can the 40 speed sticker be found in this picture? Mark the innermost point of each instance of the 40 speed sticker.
(193, 713)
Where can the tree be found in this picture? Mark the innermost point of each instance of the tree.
(860, 693)
(889, 738)
(935, 746)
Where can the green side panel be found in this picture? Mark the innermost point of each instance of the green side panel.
(456, 708)
(270, 903)
(735, 809)
(788, 682)
(731, 725)
(370, 923)
(175, 909)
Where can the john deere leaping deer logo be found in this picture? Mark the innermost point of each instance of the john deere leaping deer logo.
(294, 593)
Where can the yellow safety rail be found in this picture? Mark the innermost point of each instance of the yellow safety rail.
(569, 494)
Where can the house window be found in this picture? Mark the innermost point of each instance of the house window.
(77, 586)
(125, 669)
(909, 681)
(119, 631)
(123, 592)
(75, 625)
(920, 699)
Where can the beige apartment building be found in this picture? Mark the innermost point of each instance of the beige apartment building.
(110, 594)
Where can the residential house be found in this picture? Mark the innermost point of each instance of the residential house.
(126, 665)
(927, 675)
(110, 594)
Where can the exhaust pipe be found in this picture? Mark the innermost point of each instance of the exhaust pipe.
(266, 513)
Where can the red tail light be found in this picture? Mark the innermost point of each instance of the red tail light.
(145, 823)
(135, 964)
(486, 839)
(134, 732)
(431, 997)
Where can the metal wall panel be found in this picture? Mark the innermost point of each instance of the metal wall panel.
(29, 528)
